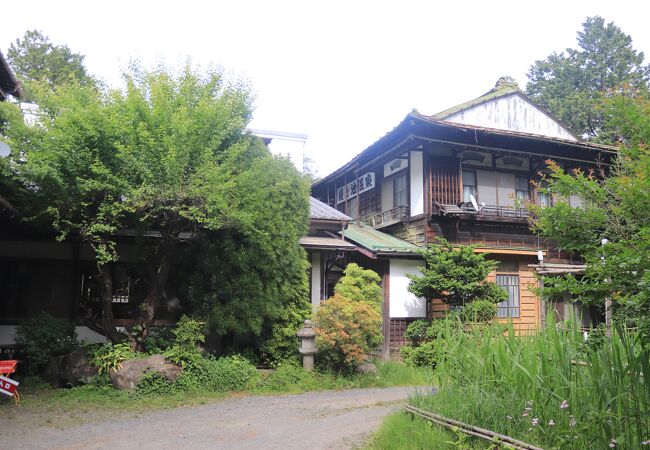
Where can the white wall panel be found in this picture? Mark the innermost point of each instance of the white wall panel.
(402, 302)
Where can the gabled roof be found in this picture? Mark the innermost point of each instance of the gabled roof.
(378, 242)
(505, 87)
(320, 211)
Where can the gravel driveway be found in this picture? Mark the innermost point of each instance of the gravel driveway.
(315, 420)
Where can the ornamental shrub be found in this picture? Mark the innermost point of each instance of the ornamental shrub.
(44, 337)
(416, 332)
(346, 330)
(480, 311)
(360, 284)
(109, 357)
(426, 355)
(230, 373)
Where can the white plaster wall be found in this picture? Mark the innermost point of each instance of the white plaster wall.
(316, 280)
(8, 335)
(402, 303)
(486, 186)
(576, 201)
(512, 113)
(416, 168)
(506, 188)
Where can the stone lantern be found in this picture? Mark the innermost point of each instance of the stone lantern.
(307, 348)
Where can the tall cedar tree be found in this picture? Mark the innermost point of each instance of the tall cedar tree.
(166, 156)
(455, 275)
(573, 85)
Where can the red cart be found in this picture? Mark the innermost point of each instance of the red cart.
(7, 385)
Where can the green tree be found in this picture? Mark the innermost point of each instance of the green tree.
(168, 157)
(35, 58)
(573, 86)
(455, 275)
(616, 208)
(360, 284)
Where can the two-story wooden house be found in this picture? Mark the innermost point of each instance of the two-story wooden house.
(467, 174)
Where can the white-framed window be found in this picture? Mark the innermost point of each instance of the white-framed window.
(469, 185)
(400, 191)
(509, 307)
(544, 198)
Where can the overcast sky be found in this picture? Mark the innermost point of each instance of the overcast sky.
(344, 73)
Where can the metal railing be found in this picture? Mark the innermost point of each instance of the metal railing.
(386, 218)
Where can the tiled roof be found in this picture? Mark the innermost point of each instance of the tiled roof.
(319, 210)
(378, 242)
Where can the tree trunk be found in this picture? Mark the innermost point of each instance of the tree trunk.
(106, 294)
(158, 273)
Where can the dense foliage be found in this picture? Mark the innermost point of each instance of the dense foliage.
(574, 85)
(455, 275)
(346, 331)
(169, 157)
(616, 209)
(426, 340)
(44, 336)
(544, 388)
(360, 284)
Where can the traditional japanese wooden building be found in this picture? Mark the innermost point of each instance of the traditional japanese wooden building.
(468, 174)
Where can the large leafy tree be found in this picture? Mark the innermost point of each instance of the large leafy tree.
(36, 58)
(168, 157)
(573, 85)
(612, 230)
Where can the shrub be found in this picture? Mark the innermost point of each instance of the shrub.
(230, 373)
(43, 337)
(479, 311)
(159, 340)
(188, 334)
(109, 357)
(416, 332)
(283, 344)
(345, 331)
(154, 383)
(360, 284)
(288, 377)
(427, 354)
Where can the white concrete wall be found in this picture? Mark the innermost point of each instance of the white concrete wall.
(316, 280)
(512, 113)
(416, 169)
(403, 304)
(8, 335)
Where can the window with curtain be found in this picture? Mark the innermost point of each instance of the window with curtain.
(521, 188)
(509, 307)
(399, 191)
(469, 185)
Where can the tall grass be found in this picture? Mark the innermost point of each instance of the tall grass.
(549, 389)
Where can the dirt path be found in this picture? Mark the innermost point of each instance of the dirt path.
(315, 420)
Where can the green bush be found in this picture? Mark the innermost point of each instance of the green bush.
(416, 332)
(479, 311)
(427, 354)
(159, 340)
(230, 373)
(360, 284)
(288, 377)
(188, 334)
(154, 383)
(44, 337)
(109, 357)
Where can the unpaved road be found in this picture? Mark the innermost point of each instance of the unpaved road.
(314, 420)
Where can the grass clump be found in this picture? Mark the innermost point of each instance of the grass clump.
(547, 389)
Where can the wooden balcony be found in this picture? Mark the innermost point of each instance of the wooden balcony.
(386, 218)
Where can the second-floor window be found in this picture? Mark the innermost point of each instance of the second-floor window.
(544, 199)
(521, 189)
(469, 185)
(399, 191)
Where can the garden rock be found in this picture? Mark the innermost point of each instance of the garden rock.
(129, 375)
(366, 368)
(68, 370)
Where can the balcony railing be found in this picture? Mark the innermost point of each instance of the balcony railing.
(385, 218)
(487, 211)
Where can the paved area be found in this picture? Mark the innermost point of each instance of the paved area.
(315, 420)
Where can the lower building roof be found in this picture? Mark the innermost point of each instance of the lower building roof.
(378, 242)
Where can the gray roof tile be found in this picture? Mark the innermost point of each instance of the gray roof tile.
(319, 210)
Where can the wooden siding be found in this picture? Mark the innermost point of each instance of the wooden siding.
(530, 315)
(413, 231)
(444, 186)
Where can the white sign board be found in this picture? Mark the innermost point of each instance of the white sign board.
(8, 386)
(353, 188)
(395, 166)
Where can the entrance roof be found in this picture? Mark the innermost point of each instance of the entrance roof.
(377, 242)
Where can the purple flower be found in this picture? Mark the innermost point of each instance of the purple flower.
(564, 404)
(647, 442)
(572, 422)
(551, 423)
(612, 443)
(509, 417)
(535, 421)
